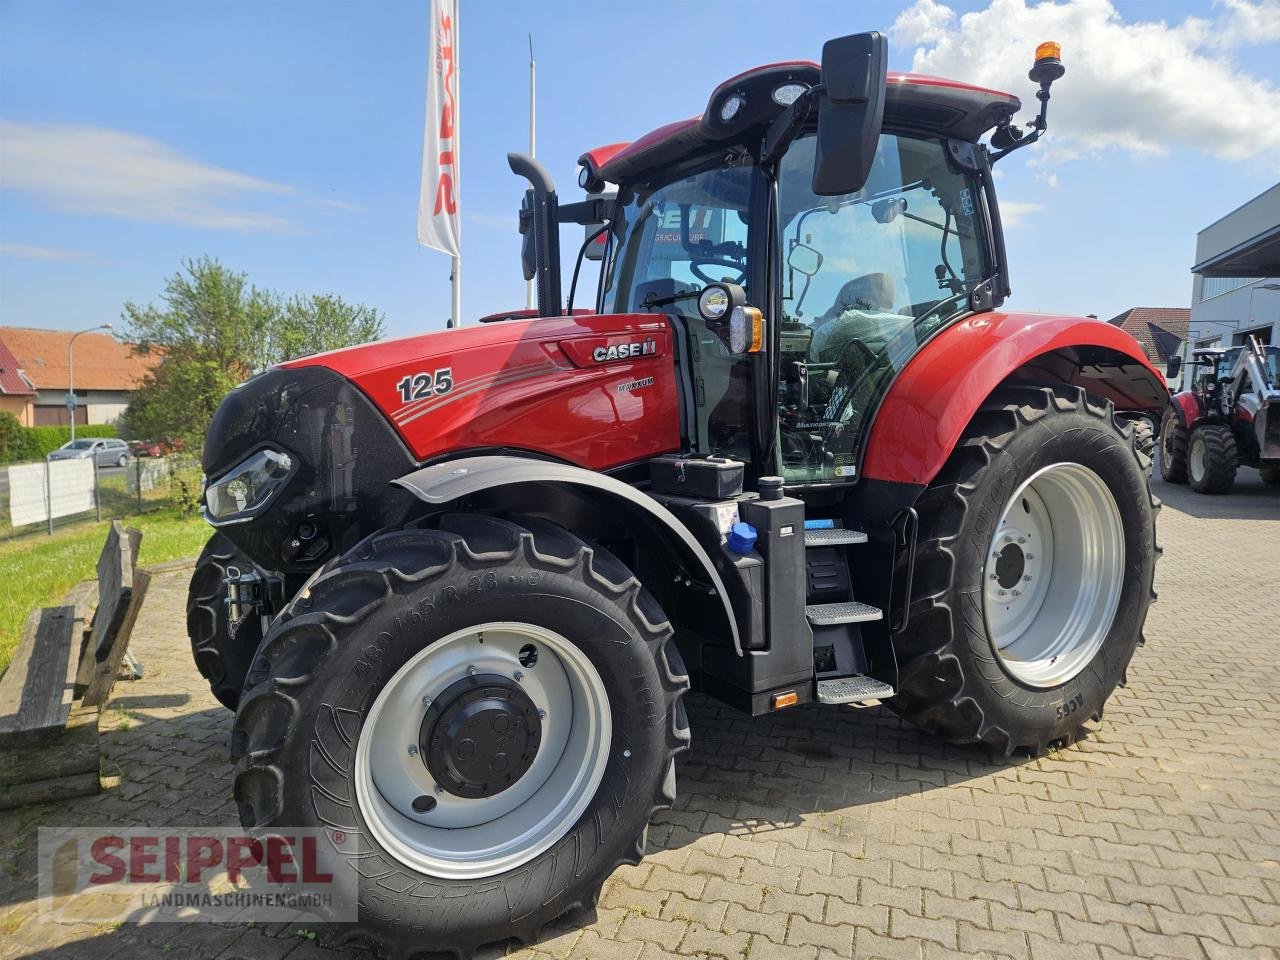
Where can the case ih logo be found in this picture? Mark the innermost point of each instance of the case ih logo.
(624, 351)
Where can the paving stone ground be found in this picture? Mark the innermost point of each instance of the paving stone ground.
(841, 832)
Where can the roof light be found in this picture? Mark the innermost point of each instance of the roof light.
(788, 93)
(731, 106)
(1050, 48)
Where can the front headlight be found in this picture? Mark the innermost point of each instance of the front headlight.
(244, 489)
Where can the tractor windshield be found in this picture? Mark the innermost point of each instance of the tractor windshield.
(676, 238)
(865, 279)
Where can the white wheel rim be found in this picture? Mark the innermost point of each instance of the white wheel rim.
(465, 838)
(1197, 459)
(1053, 575)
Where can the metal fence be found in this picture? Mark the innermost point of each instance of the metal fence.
(40, 497)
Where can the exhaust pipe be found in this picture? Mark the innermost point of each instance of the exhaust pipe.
(540, 227)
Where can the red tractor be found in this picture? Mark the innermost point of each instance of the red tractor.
(796, 454)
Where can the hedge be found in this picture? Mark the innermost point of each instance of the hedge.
(33, 443)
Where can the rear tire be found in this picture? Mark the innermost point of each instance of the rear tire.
(971, 670)
(1173, 447)
(311, 737)
(221, 657)
(1212, 459)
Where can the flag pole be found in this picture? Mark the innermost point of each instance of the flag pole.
(455, 276)
(529, 296)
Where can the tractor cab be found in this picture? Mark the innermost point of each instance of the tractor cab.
(849, 247)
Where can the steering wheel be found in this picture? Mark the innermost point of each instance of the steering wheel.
(696, 265)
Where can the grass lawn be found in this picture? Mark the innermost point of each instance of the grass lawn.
(38, 571)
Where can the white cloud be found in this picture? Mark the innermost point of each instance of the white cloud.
(1142, 86)
(1013, 212)
(83, 169)
(27, 251)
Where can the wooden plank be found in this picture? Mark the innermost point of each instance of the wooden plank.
(106, 669)
(115, 586)
(44, 791)
(66, 753)
(34, 693)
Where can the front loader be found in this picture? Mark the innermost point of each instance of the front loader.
(1229, 416)
(794, 456)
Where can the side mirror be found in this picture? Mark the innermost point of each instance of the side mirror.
(850, 112)
(804, 259)
(1173, 367)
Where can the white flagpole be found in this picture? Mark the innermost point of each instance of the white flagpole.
(438, 204)
(530, 297)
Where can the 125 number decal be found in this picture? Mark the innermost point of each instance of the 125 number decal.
(419, 386)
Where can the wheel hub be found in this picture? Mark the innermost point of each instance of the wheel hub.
(480, 736)
(1010, 563)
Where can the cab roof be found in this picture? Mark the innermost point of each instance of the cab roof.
(913, 102)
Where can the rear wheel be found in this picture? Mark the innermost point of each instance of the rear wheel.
(1173, 447)
(1212, 459)
(1035, 564)
(222, 657)
(490, 709)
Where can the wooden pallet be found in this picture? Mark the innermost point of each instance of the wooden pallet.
(60, 677)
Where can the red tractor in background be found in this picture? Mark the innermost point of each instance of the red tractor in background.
(796, 454)
(1228, 416)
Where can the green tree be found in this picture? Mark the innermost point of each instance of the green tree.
(314, 324)
(212, 329)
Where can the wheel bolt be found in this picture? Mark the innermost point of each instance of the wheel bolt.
(437, 788)
(471, 671)
(1022, 539)
(426, 701)
(1017, 593)
(1031, 556)
(1027, 578)
(517, 676)
(413, 749)
(626, 754)
(1000, 593)
(542, 714)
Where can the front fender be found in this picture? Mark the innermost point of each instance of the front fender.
(938, 392)
(1187, 407)
(449, 481)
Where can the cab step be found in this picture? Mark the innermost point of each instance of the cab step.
(833, 537)
(847, 611)
(855, 689)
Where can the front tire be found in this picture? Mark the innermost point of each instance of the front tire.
(222, 657)
(351, 721)
(1212, 459)
(1034, 572)
(1173, 447)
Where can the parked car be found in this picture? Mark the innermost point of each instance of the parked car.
(155, 448)
(108, 452)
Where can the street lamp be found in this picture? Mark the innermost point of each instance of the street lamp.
(71, 390)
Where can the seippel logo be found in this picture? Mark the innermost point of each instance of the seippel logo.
(625, 351)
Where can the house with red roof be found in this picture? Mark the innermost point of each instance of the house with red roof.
(34, 375)
(1159, 330)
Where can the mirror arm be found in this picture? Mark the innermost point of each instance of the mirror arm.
(788, 124)
(1009, 138)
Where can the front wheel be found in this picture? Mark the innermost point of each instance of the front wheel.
(1173, 447)
(490, 710)
(1035, 565)
(1212, 459)
(123, 461)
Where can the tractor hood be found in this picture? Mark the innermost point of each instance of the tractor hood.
(594, 390)
(299, 460)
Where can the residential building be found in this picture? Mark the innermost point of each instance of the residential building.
(106, 371)
(1236, 287)
(1160, 331)
(16, 392)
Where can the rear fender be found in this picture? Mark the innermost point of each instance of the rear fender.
(529, 483)
(936, 395)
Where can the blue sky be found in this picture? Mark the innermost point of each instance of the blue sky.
(285, 138)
